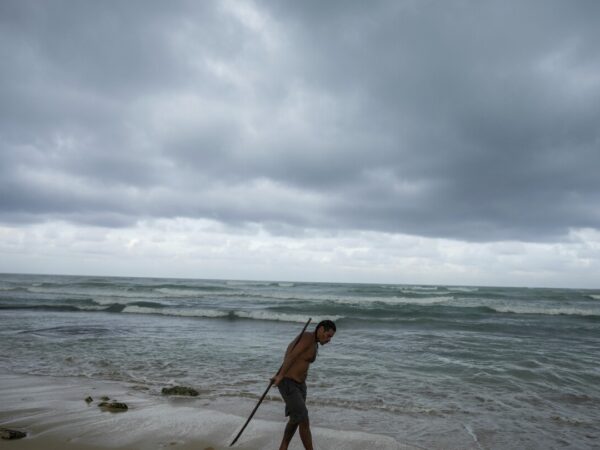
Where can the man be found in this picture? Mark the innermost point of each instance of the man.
(291, 381)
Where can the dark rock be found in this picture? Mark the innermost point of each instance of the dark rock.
(89, 399)
(180, 390)
(104, 398)
(113, 406)
(5, 433)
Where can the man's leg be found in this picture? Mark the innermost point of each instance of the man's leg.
(305, 434)
(288, 434)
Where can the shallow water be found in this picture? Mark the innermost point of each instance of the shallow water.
(433, 366)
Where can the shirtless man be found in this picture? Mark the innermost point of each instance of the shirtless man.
(291, 381)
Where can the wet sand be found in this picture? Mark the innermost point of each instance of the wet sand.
(54, 414)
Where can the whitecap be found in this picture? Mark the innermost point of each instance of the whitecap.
(395, 300)
(462, 289)
(281, 317)
(546, 311)
(176, 312)
(212, 313)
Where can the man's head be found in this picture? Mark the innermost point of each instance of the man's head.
(325, 331)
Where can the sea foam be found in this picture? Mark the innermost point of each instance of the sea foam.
(395, 300)
(213, 313)
(546, 311)
(176, 312)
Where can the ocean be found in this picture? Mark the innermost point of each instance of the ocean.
(437, 367)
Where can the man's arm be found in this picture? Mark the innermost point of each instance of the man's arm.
(292, 356)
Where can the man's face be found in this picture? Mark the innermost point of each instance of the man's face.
(324, 336)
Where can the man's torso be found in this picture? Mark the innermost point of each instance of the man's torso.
(299, 369)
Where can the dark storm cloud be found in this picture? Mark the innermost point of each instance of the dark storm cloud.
(470, 120)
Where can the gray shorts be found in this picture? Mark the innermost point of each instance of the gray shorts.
(294, 396)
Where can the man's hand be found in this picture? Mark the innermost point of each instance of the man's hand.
(277, 379)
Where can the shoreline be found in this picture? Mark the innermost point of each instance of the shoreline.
(54, 414)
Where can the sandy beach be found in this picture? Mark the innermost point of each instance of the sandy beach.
(54, 414)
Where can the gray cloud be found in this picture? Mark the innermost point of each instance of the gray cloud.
(476, 121)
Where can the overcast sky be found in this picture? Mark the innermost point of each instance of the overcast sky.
(404, 141)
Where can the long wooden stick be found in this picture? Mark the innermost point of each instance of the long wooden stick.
(267, 390)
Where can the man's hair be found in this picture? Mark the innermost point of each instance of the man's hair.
(327, 325)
